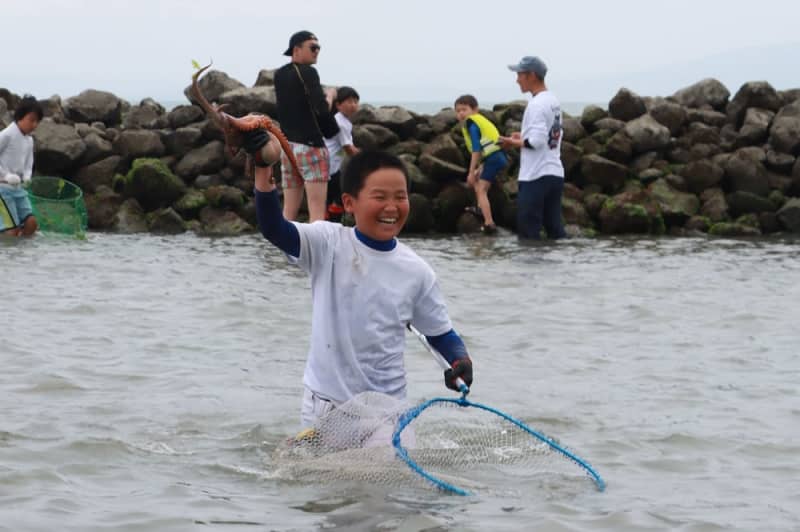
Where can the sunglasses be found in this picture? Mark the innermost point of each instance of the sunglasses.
(314, 48)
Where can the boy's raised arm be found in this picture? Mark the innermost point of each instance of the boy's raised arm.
(275, 228)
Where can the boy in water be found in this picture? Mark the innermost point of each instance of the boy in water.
(365, 285)
(16, 168)
(487, 159)
(345, 105)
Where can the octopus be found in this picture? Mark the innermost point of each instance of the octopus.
(233, 129)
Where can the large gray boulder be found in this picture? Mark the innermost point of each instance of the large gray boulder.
(707, 92)
(746, 173)
(99, 173)
(784, 134)
(394, 118)
(207, 159)
(789, 215)
(755, 126)
(647, 134)
(701, 175)
(591, 114)
(213, 85)
(135, 143)
(752, 94)
(94, 106)
(58, 148)
(147, 115)
(669, 114)
(626, 105)
(598, 170)
(444, 147)
(182, 140)
(183, 115)
(242, 101)
(97, 147)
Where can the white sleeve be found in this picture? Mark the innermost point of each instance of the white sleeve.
(28, 172)
(346, 136)
(535, 129)
(430, 312)
(316, 241)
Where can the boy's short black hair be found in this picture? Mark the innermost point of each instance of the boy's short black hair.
(28, 104)
(344, 92)
(365, 163)
(467, 99)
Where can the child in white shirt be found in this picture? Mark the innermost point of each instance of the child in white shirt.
(16, 168)
(346, 105)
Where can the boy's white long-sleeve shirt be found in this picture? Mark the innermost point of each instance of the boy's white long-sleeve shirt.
(16, 153)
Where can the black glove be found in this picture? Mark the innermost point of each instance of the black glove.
(461, 368)
(254, 140)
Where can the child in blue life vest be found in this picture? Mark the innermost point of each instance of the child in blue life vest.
(366, 285)
(487, 159)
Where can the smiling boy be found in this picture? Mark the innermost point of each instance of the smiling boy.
(365, 286)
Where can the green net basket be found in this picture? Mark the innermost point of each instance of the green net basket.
(58, 205)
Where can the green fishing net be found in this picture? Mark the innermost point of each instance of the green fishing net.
(58, 205)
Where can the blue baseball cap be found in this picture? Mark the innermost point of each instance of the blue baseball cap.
(530, 63)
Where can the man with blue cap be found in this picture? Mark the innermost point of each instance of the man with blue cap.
(541, 174)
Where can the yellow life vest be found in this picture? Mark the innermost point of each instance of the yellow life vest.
(489, 135)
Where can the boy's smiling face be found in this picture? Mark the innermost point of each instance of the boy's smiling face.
(381, 206)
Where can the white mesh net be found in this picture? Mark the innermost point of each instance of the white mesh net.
(467, 447)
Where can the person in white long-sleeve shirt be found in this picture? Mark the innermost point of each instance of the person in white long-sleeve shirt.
(541, 174)
(16, 168)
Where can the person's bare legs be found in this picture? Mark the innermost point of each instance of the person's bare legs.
(482, 194)
(30, 226)
(292, 198)
(317, 193)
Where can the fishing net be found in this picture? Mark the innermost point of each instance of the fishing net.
(58, 205)
(450, 444)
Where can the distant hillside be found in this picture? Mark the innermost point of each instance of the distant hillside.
(779, 65)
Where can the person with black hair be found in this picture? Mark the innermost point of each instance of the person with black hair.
(366, 286)
(345, 105)
(16, 168)
(306, 119)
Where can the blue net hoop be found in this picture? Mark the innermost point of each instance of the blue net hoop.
(410, 415)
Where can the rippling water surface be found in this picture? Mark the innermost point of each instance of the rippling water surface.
(145, 382)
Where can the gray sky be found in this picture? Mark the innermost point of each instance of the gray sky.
(400, 51)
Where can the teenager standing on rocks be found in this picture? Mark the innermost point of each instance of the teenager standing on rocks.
(305, 117)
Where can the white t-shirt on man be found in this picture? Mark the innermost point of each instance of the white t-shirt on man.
(541, 127)
(337, 143)
(362, 300)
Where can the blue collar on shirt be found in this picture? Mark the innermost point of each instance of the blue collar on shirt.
(380, 245)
